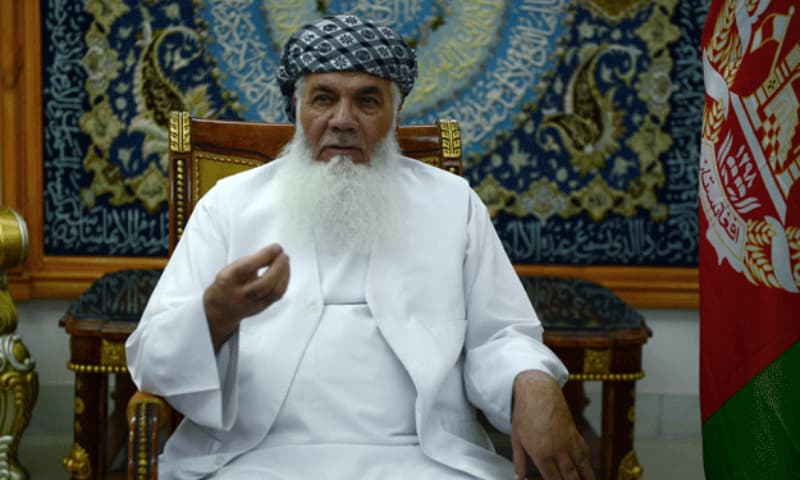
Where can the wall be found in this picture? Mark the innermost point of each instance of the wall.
(667, 398)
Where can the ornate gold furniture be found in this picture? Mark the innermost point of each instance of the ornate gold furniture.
(19, 383)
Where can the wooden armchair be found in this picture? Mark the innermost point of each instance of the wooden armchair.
(203, 151)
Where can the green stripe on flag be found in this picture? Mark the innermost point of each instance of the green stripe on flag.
(756, 433)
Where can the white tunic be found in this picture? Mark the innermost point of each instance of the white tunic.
(349, 412)
(443, 295)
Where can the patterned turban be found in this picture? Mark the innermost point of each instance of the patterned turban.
(345, 43)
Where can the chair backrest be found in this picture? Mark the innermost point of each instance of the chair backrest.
(202, 151)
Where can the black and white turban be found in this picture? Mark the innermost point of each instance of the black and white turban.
(345, 43)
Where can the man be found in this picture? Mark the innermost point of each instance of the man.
(402, 312)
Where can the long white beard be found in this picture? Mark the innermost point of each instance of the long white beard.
(345, 206)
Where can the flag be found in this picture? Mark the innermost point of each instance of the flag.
(749, 249)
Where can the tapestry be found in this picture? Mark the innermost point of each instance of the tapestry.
(580, 119)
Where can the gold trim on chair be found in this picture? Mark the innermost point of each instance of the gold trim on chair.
(142, 455)
(199, 158)
(179, 131)
(146, 415)
(450, 143)
(451, 138)
(180, 197)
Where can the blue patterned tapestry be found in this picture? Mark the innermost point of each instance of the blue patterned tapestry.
(580, 119)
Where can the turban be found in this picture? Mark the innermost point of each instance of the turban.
(345, 43)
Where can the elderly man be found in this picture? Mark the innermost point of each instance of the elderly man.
(402, 313)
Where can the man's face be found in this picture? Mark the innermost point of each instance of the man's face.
(345, 113)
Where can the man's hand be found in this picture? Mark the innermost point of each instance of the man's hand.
(542, 429)
(239, 291)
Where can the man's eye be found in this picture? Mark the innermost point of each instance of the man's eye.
(322, 99)
(369, 101)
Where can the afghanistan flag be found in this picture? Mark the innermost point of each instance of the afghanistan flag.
(750, 241)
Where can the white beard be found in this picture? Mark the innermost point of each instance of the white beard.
(344, 205)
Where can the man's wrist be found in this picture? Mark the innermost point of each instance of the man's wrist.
(216, 321)
(532, 378)
(528, 382)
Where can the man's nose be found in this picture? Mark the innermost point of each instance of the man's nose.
(344, 116)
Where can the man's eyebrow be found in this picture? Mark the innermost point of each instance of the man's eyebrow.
(369, 90)
(322, 88)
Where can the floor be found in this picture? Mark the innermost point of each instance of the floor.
(661, 458)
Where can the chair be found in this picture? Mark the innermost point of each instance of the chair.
(201, 152)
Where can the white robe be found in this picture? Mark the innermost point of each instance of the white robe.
(349, 412)
(444, 296)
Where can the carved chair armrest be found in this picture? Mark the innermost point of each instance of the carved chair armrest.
(147, 415)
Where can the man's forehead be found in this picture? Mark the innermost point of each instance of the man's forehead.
(349, 81)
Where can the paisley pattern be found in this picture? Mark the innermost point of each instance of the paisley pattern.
(580, 118)
(586, 173)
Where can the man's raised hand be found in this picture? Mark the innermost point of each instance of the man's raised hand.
(239, 291)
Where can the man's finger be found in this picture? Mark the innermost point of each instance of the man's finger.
(568, 469)
(585, 468)
(548, 470)
(519, 458)
(581, 457)
(245, 268)
(274, 275)
(283, 283)
(271, 286)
